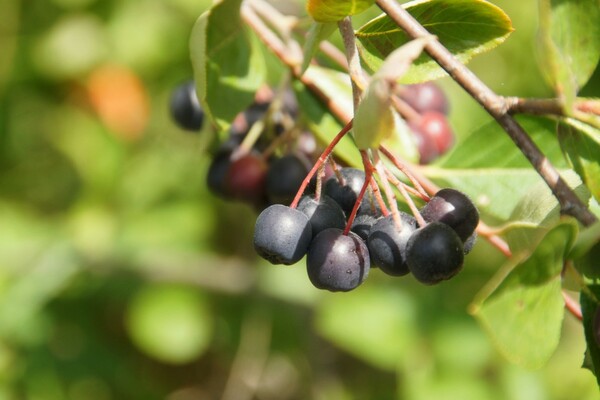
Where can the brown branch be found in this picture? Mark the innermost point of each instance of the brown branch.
(496, 106)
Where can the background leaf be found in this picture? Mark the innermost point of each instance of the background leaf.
(492, 170)
(465, 27)
(335, 10)
(522, 310)
(581, 144)
(589, 307)
(228, 64)
(569, 43)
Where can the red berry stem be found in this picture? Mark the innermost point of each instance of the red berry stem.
(368, 175)
(377, 193)
(572, 306)
(406, 171)
(322, 158)
(387, 189)
(411, 204)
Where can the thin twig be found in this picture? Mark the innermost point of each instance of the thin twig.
(497, 108)
(354, 68)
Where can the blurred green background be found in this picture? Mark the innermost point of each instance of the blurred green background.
(122, 277)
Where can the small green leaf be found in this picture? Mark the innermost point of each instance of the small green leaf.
(335, 10)
(466, 27)
(374, 120)
(317, 33)
(569, 44)
(229, 66)
(589, 306)
(522, 307)
(581, 144)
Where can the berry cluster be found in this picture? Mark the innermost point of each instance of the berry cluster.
(343, 229)
(340, 261)
(253, 171)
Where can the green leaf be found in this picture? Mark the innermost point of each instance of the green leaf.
(589, 307)
(569, 43)
(229, 66)
(466, 27)
(387, 327)
(374, 120)
(522, 307)
(335, 10)
(581, 144)
(492, 170)
(317, 33)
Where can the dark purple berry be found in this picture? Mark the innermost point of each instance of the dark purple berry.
(345, 194)
(282, 234)
(454, 209)
(434, 253)
(425, 97)
(433, 135)
(185, 107)
(217, 173)
(387, 243)
(469, 243)
(284, 177)
(245, 178)
(322, 214)
(337, 262)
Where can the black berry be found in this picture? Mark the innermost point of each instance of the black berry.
(245, 178)
(387, 243)
(282, 234)
(284, 177)
(434, 253)
(454, 209)
(345, 194)
(322, 214)
(337, 262)
(185, 107)
(425, 97)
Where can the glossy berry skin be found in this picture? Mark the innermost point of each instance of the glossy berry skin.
(185, 107)
(454, 209)
(245, 178)
(337, 262)
(387, 244)
(433, 130)
(322, 214)
(345, 195)
(282, 234)
(434, 253)
(424, 97)
(284, 177)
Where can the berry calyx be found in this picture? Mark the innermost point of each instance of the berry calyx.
(434, 253)
(282, 234)
(337, 262)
